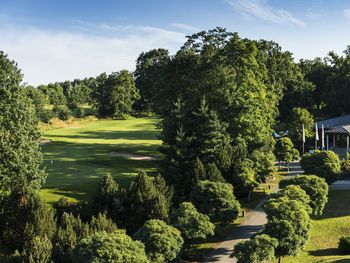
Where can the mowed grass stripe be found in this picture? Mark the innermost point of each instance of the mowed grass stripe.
(80, 155)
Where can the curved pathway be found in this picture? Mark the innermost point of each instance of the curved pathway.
(253, 223)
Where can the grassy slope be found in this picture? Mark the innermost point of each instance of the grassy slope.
(326, 231)
(81, 157)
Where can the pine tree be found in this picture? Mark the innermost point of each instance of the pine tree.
(213, 173)
(199, 172)
(19, 135)
(106, 194)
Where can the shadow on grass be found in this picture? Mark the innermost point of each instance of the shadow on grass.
(336, 207)
(74, 169)
(111, 135)
(324, 252)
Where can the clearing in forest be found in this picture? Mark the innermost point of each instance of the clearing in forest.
(79, 156)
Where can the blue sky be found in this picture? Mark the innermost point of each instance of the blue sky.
(67, 39)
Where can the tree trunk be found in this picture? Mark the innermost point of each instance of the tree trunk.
(279, 259)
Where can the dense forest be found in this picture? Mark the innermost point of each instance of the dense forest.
(220, 97)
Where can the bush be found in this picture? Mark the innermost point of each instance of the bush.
(38, 250)
(216, 200)
(115, 247)
(325, 164)
(344, 245)
(345, 166)
(316, 188)
(192, 224)
(258, 249)
(62, 112)
(45, 115)
(163, 242)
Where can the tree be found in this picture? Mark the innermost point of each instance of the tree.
(145, 199)
(102, 223)
(289, 223)
(295, 121)
(109, 247)
(325, 164)
(24, 218)
(39, 250)
(106, 193)
(19, 135)
(193, 225)
(213, 173)
(259, 249)
(284, 151)
(163, 242)
(115, 94)
(295, 192)
(149, 69)
(216, 200)
(71, 229)
(316, 188)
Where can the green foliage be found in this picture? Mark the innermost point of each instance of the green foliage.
(62, 112)
(199, 172)
(193, 225)
(163, 242)
(19, 135)
(295, 192)
(316, 188)
(344, 245)
(325, 164)
(109, 247)
(106, 193)
(216, 200)
(145, 199)
(284, 150)
(102, 223)
(149, 69)
(213, 173)
(289, 223)
(24, 218)
(115, 94)
(39, 250)
(71, 229)
(345, 166)
(259, 249)
(296, 119)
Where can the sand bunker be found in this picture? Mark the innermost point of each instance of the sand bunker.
(43, 142)
(133, 156)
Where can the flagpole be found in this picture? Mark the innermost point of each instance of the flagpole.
(303, 139)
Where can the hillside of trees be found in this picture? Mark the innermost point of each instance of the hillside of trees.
(220, 97)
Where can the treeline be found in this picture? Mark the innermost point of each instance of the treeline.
(106, 95)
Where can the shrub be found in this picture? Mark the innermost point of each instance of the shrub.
(316, 187)
(345, 166)
(344, 245)
(114, 247)
(62, 112)
(163, 242)
(38, 250)
(192, 224)
(45, 115)
(260, 248)
(325, 164)
(216, 200)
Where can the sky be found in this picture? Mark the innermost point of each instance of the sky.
(57, 40)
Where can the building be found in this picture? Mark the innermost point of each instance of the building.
(336, 132)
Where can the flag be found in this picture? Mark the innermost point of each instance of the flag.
(304, 140)
(322, 137)
(316, 131)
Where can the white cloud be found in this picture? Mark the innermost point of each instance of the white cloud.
(185, 27)
(347, 13)
(47, 56)
(262, 10)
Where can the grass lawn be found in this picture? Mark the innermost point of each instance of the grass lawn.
(80, 155)
(326, 231)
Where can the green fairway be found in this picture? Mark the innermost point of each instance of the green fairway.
(80, 155)
(326, 231)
